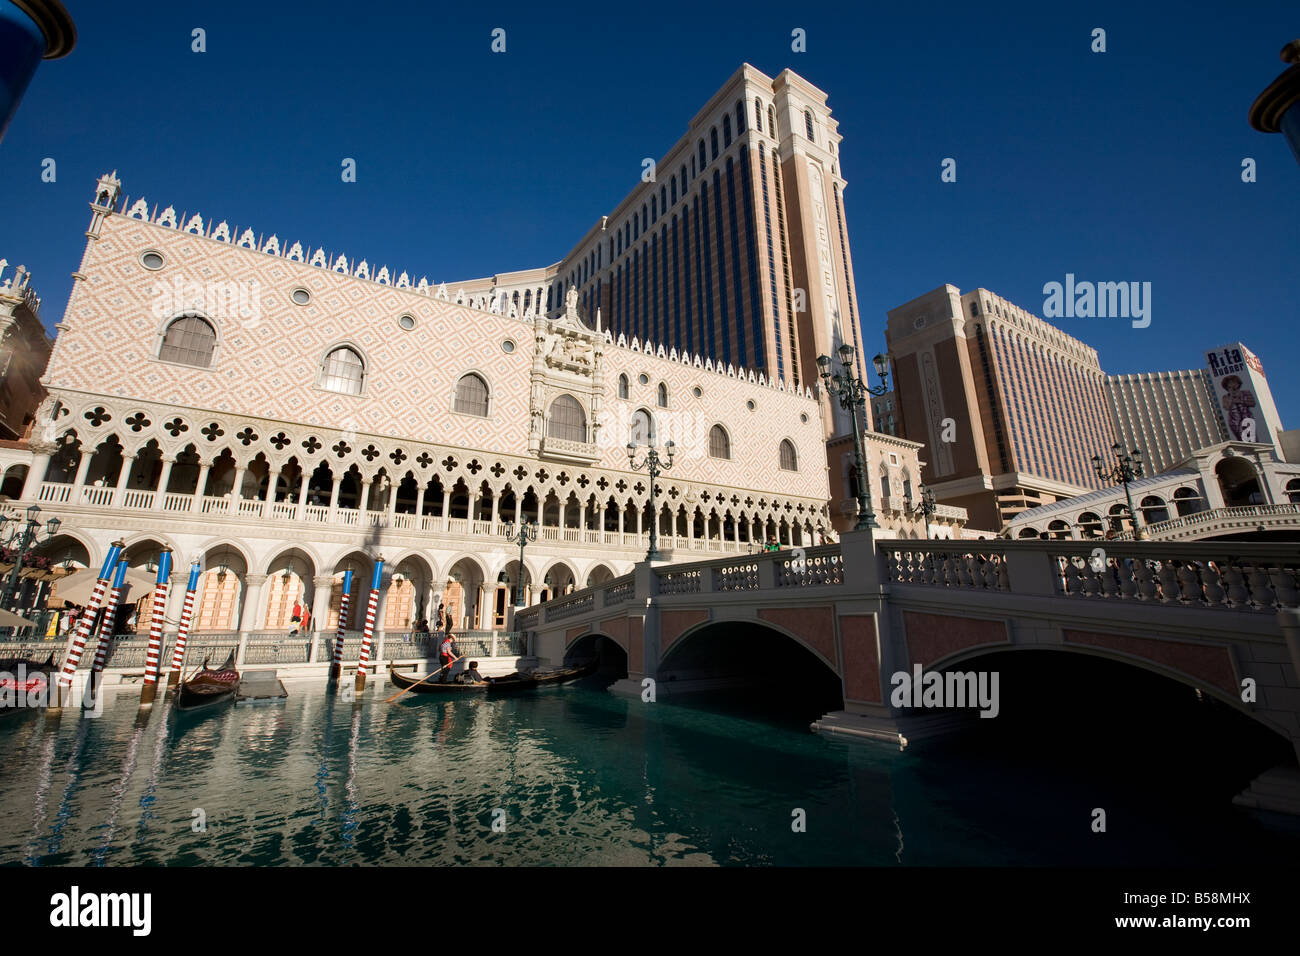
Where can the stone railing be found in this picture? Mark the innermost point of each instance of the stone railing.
(678, 581)
(619, 590)
(953, 566)
(1241, 515)
(571, 606)
(741, 576)
(815, 567)
(1217, 574)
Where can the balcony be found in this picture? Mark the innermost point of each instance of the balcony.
(577, 452)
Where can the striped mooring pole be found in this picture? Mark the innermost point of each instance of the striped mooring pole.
(77, 642)
(336, 668)
(183, 629)
(369, 633)
(150, 689)
(110, 618)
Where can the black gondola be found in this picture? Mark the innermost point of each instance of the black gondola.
(38, 678)
(208, 686)
(511, 683)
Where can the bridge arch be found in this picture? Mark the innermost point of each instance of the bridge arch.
(611, 651)
(1133, 661)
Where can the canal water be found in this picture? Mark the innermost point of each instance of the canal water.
(575, 775)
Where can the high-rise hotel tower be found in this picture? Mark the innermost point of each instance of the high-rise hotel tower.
(734, 246)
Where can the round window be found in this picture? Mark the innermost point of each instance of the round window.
(643, 378)
(152, 260)
(406, 321)
(697, 391)
(507, 346)
(301, 296)
(803, 417)
(750, 404)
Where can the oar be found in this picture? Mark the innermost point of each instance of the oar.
(422, 680)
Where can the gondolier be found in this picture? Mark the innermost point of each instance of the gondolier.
(445, 655)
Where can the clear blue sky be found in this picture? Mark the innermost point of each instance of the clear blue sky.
(1117, 166)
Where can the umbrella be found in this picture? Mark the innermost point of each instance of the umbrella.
(10, 619)
(76, 587)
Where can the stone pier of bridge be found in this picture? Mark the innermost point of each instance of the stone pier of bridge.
(1220, 617)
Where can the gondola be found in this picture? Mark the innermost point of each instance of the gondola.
(511, 683)
(38, 678)
(208, 686)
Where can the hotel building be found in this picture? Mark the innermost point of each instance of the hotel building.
(1010, 409)
(1167, 415)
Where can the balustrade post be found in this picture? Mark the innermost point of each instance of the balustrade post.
(862, 565)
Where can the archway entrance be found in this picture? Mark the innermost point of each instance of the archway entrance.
(1239, 482)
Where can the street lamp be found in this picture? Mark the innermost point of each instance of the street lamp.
(1126, 468)
(852, 392)
(527, 532)
(924, 507)
(653, 464)
(18, 540)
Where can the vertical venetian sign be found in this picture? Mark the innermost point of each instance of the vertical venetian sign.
(1242, 394)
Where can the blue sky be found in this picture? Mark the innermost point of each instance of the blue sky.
(1115, 166)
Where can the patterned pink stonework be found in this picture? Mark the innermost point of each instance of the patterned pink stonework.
(635, 645)
(573, 633)
(1210, 664)
(932, 637)
(815, 626)
(673, 623)
(861, 658)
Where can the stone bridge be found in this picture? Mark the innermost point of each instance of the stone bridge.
(1220, 617)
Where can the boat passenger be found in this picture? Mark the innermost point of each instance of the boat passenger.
(471, 675)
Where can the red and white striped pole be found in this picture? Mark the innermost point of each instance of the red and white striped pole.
(183, 629)
(77, 642)
(110, 617)
(150, 689)
(337, 667)
(368, 634)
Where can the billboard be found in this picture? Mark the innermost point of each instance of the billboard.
(1242, 394)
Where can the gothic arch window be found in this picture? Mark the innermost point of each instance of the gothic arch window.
(771, 121)
(719, 443)
(808, 125)
(789, 459)
(471, 396)
(642, 431)
(343, 371)
(702, 160)
(567, 420)
(740, 117)
(662, 395)
(758, 114)
(663, 200)
(713, 142)
(622, 386)
(189, 340)
(726, 130)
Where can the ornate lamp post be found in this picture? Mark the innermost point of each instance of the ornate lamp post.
(1127, 467)
(924, 507)
(18, 540)
(527, 532)
(1277, 109)
(655, 465)
(852, 393)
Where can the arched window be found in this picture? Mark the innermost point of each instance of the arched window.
(726, 130)
(740, 117)
(343, 372)
(713, 142)
(642, 431)
(567, 420)
(663, 200)
(189, 340)
(471, 396)
(808, 125)
(662, 395)
(771, 121)
(673, 182)
(702, 159)
(1293, 491)
(719, 443)
(1090, 525)
(622, 386)
(758, 114)
(789, 460)
(1154, 510)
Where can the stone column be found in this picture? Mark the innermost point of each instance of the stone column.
(496, 510)
(334, 498)
(123, 476)
(419, 507)
(163, 478)
(252, 614)
(302, 494)
(197, 504)
(82, 467)
(392, 501)
(446, 509)
(363, 504)
(42, 453)
(237, 489)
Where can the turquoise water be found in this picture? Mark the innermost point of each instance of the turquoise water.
(574, 775)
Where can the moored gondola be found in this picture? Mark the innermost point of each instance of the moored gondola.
(22, 681)
(208, 686)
